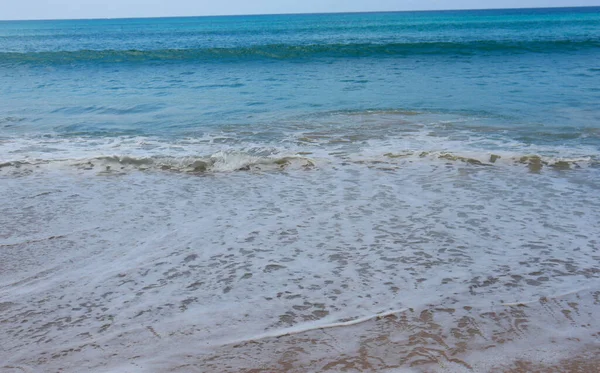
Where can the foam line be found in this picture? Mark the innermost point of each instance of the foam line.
(300, 330)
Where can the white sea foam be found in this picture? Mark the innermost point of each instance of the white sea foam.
(338, 135)
(323, 147)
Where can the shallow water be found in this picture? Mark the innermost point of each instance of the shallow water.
(218, 194)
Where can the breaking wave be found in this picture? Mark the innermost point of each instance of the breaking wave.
(218, 162)
(234, 161)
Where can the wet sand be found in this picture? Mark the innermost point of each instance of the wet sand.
(549, 335)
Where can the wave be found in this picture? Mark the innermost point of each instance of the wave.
(535, 163)
(218, 162)
(230, 161)
(287, 51)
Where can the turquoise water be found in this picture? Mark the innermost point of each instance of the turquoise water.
(171, 186)
(526, 71)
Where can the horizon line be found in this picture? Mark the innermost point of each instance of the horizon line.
(295, 13)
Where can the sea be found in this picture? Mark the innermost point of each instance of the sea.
(363, 192)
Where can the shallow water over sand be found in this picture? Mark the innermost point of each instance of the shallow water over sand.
(162, 269)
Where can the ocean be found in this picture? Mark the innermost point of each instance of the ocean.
(390, 192)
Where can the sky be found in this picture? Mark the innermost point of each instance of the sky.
(61, 9)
